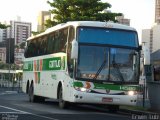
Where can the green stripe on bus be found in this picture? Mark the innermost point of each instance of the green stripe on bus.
(108, 86)
(115, 87)
(48, 64)
(78, 84)
(28, 66)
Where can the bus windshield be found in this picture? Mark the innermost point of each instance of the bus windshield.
(108, 64)
(103, 57)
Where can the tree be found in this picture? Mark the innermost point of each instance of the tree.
(79, 10)
(3, 26)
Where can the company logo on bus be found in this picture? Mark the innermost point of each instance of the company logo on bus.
(55, 64)
(107, 91)
(127, 88)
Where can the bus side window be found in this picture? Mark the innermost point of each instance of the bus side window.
(29, 51)
(57, 42)
(38, 43)
(34, 48)
(51, 42)
(26, 51)
(43, 46)
(63, 39)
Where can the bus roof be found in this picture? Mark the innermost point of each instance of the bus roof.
(109, 24)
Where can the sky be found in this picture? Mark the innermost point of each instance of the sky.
(140, 12)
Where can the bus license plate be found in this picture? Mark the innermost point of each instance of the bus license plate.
(107, 99)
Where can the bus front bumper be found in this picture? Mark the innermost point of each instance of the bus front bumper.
(94, 98)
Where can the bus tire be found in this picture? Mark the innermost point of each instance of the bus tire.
(113, 108)
(41, 99)
(32, 97)
(62, 104)
(27, 87)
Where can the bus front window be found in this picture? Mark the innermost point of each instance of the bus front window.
(107, 64)
(91, 59)
(123, 66)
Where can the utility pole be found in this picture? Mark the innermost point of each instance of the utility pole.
(10, 57)
(9, 62)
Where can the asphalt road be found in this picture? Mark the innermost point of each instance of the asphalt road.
(15, 106)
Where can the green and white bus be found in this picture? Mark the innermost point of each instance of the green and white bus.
(87, 62)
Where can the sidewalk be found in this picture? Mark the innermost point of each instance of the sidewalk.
(141, 108)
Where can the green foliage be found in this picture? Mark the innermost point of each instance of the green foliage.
(35, 33)
(79, 10)
(3, 26)
(22, 45)
(5, 66)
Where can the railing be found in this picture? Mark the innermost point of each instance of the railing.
(10, 85)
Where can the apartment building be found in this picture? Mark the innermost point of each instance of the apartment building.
(157, 11)
(152, 36)
(42, 17)
(20, 31)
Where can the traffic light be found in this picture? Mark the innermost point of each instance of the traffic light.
(10, 50)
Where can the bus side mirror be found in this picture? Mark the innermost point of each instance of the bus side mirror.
(74, 51)
(140, 47)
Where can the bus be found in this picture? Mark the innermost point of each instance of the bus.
(84, 62)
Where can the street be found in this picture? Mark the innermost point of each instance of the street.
(15, 106)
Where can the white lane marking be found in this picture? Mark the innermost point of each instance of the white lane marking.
(24, 112)
(2, 93)
(11, 113)
(8, 92)
(13, 109)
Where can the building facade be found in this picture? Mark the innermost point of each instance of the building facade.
(2, 54)
(42, 17)
(123, 20)
(20, 31)
(157, 11)
(19, 56)
(120, 19)
(3, 35)
(152, 37)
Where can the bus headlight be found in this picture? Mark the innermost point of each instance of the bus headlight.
(131, 93)
(82, 89)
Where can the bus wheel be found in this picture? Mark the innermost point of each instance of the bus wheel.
(32, 97)
(113, 108)
(62, 103)
(41, 99)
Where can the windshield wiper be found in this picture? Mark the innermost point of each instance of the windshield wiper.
(115, 65)
(99, 70)
(101, 67)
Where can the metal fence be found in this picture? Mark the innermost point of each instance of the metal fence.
(8, 85)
